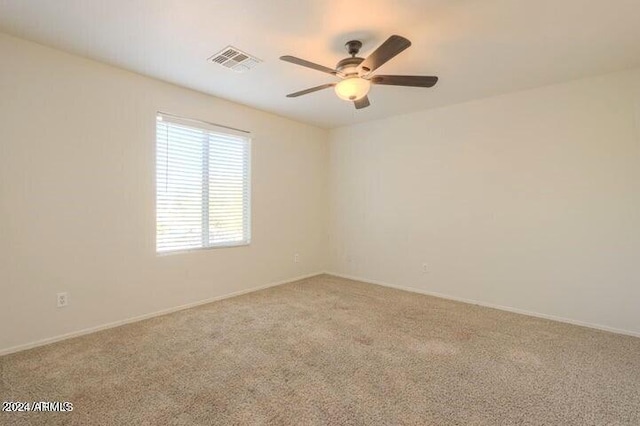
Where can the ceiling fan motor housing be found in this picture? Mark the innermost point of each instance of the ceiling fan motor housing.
(348, 67)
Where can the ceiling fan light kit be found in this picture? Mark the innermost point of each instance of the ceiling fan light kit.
(356, 72)
(353, 88)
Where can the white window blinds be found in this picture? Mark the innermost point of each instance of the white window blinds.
(202, 186)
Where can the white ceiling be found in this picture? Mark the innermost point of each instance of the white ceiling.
(478, 48)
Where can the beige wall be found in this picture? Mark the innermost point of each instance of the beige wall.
(530, 201)
(77, 197)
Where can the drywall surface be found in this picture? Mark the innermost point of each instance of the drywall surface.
(77, 213)
(529, 201)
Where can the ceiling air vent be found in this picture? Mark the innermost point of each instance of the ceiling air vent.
(234, 59)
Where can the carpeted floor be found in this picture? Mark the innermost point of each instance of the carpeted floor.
(333, 351)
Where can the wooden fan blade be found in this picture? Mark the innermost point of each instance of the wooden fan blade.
(362, 103)
(311, 90)
(308, 64)
(405, 80)
(390, 48)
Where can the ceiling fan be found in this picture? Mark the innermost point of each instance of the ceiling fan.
(356, 72)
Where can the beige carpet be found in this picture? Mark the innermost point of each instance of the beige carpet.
(332, 351)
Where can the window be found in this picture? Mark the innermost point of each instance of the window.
(202, 185)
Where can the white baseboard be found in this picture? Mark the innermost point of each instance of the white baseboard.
(90, 330)
(490, 305)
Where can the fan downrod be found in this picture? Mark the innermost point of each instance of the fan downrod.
(353, 47)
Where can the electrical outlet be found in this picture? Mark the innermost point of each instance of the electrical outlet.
(425, 268)
(63, 300)
(296, 258)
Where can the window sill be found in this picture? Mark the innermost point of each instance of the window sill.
(213, 247)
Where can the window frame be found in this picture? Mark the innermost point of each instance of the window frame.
(215, 128)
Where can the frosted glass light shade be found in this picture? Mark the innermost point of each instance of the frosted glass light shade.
(352, 89)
